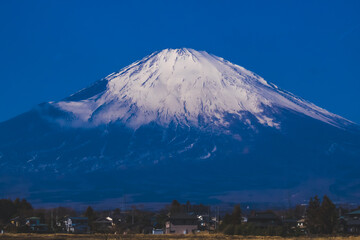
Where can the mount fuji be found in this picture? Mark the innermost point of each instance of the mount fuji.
(180, 124)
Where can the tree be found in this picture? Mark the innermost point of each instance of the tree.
(236, 215)
(321, 218)
(188, 206)
(175, 207)
(229, 229)
(17, 203)
(231, 222)
(90, 214)
(61, 212)
(7, 210)
(200, 209)
(227, 219)
(313, 219)
(116, 212)
(23, 207)
(299, 211)
(328, 215)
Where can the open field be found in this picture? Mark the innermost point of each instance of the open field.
(154, 237)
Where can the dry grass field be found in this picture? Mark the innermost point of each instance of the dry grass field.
(154, 237)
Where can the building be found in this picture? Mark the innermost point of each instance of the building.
(17, 224)
(301, 224)
(350, 222)
(181, 223)
(32, 221)
(35, 226)
(290, 223)
(77, 225)
(17, 221)
(103, 224)
(204, 222)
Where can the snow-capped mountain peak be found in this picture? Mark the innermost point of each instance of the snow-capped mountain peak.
(176, 113)
(182, 86)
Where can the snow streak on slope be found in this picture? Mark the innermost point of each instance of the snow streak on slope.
(188, 87)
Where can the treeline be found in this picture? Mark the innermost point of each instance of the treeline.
(321, 217)
(130, 220)
(133, 220)
(318, 218)
(234, 224)
(9, 209)
(20, 209)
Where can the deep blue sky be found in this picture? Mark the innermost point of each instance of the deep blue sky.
(51, 49)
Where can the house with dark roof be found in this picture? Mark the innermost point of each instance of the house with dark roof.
(181, 223)
(17, 221)
(103, 224)
(301, 224)
(35, 226)
(350, 222)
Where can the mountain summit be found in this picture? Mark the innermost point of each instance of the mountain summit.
(179, 124)
(186, 86)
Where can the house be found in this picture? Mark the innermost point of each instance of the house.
(207, 222)
(204, 222)
(290, 223)
(77, 225)
(181, 223)
(103, 224)
(35, 226)
(264, 219)
(60, 226)
(32, 221)
(350, 222)
(301, 223)
(17, 224)
(17, 221)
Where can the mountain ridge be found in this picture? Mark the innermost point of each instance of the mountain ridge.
(64, 151)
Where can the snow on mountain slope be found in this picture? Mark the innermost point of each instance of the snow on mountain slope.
(287, 147)
(184, 86)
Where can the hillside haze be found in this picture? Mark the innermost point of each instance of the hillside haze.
(180, 124)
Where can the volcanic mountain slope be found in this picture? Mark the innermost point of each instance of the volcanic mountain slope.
(180, 124)
(179, 86)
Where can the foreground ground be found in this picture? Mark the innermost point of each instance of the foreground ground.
(152, 237)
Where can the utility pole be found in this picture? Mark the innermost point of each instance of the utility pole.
(216, 217)
(56, 216)
(124, 202)
(52, 219)
(209, 218)
(132, 216)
